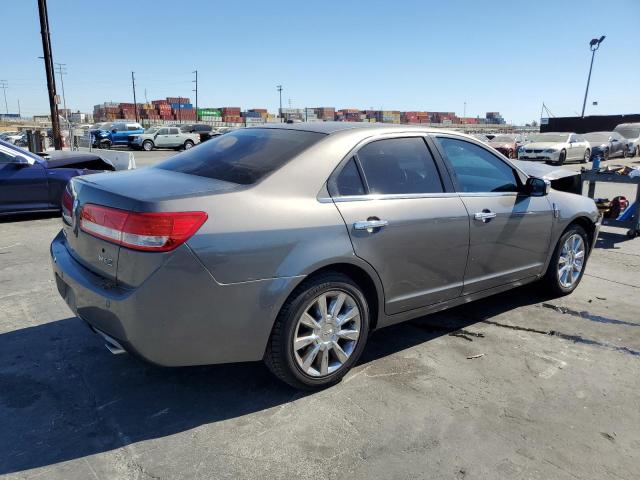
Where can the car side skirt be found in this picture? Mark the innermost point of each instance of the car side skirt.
(388, 320)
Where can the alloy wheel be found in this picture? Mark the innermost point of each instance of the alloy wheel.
(571, 261)
(326, 333)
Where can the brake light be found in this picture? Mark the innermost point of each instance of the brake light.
(157, 232)
(67, 205)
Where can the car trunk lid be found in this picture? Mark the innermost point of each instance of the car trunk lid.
(147, 191)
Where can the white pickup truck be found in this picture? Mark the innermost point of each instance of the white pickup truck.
(164, 137)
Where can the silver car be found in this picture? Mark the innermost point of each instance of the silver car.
(291, 243)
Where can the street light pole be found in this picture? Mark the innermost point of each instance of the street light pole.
(279, 87)
(594, 44)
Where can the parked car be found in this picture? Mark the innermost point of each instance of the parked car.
(164, 137)
(33, 183)
(630, 131)
(9, 137)
(479, 136)
(607, 144)
(291, 243)
(206, 132)
(507, 144)
(555, 147)
(106, 135)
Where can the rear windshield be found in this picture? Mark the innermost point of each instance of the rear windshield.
(243, 156)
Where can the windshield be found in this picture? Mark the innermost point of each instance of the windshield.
(151, 130)
(101, 126)
(503, 139)
(549, 137)
(629, 131)
(597, 137)
(242, 156)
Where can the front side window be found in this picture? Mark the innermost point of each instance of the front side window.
(477, 170)
(243, 156)
(399, 165)
(163, 131)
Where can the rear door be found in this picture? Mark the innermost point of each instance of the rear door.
(22, 186)
(174, 137)
(162, 138)
(509, 232)
(404, 220)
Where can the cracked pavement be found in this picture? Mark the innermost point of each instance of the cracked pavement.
(554, 395)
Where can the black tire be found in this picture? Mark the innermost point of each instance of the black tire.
(587, 156)
(147, 145)
(279, 355)
(188, 144)
(626, 153)
(562, 157)
(550, 280)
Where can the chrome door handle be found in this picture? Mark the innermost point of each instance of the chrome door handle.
(484, 216)
(369, 225)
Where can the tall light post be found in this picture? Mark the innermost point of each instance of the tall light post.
(594, 45)
(4, 86)
(279, 87)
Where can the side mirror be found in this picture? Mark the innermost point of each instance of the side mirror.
(537, 187)
(20, 162)
(114, 131)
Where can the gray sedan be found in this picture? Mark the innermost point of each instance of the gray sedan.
(292, 243)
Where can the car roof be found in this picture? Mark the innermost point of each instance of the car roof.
(334, 127)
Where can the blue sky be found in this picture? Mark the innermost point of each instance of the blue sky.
(505, 56)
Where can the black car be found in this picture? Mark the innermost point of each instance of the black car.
(607, 145)
(30, 183)
(205, 131)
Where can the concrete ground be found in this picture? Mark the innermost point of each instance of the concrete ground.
(515, 386)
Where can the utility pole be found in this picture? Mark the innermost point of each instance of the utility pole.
(62, 71)
(464, 111)
(196, 90)
(19, 112)
(4, 85)
(279, 87)
(135, 103)
(180, 110)
(51, 81)
(594, 45)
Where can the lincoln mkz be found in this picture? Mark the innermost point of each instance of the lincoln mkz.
(291, 243)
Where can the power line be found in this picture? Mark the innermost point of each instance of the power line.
(196, 90)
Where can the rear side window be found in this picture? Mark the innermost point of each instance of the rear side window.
(349, 181)
(399, 165)
(477, 170)
(242, 156)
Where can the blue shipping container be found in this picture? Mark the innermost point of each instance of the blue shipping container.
(177, 106)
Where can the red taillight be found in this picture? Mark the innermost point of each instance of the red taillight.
(158, 232)
(67, 205)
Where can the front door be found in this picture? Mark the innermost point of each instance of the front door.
(403, 222)
(509, 231)
(23, 186)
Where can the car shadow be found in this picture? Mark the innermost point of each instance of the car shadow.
(63, 396)
(609, 240)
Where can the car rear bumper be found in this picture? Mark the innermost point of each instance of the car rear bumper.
(179, 315)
